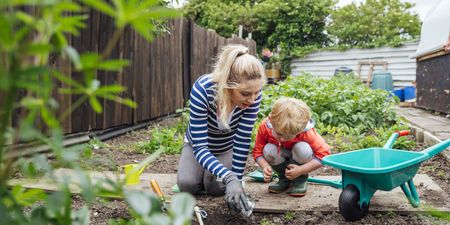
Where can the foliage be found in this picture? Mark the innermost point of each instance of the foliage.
(26, 42)
(347, 112)
(300, 27)
(289, 216)
(374, 23)
(340, 102)
(287, 23)
(169, 139)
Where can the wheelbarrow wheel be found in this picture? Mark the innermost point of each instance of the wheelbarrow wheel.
(349, 204)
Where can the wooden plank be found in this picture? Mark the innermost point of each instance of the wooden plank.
(186, 59)
(82, 116)
(127, 76)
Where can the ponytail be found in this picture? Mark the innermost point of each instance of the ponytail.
(234, 66)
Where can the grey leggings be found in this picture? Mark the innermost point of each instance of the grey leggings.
(193, 178)
(301, 152)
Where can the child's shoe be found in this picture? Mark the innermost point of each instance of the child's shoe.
(299, 186)
(283, 182)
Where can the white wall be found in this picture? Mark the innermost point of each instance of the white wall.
(323, 64)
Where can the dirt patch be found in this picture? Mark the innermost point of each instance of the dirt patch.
(120, 151)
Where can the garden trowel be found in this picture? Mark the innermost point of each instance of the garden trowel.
(158, 192)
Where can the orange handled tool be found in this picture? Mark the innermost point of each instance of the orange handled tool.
(157, 190)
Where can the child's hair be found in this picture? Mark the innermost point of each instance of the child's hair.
(289, 116)
(234, 65)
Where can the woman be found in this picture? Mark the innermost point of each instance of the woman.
(223, 109)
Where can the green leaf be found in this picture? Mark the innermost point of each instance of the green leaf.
(87, 190)
(37, 49)
(113, 65)
(24, 17)
(95, 104)
(129, 103)
(139, 202)
(82, 216)
(28, 197)
(65, 79)
(183, 206)
(111, 89)
(74, 57)
(101, 6)
(49, 118)
(158, 219)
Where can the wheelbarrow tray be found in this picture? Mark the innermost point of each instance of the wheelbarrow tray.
(380, 168)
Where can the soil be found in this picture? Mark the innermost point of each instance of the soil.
(119, 151)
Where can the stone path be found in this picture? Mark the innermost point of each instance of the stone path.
(319, 197)
(427, 127)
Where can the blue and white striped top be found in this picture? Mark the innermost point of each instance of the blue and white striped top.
(208, 140)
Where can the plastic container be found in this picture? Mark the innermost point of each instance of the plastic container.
(400, 93)
(342, 69)
(382, 80)
(410, 92)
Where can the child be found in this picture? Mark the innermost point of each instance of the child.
(288, 144)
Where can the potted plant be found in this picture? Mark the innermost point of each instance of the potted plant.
(272, 64)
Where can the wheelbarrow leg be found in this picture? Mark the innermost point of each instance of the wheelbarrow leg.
(411, 193)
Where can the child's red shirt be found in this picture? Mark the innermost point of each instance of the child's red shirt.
(309, 135)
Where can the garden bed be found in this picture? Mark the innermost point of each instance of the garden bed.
(122, 150)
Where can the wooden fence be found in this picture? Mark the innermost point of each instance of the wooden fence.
(159, 78)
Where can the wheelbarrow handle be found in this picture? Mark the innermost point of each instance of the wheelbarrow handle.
(393, 137)
(403, 132)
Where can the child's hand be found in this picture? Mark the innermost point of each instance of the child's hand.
(293, 171)
(267, 171)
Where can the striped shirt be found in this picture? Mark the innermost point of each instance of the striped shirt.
(208, 140)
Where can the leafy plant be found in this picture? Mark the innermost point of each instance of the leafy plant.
(289, 216)
(168, 139)
(27, 82)
(374, 23)
(265, 221)
(349, 114)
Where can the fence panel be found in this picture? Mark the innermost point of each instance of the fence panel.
(158, 79)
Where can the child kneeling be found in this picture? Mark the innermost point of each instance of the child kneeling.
(287, 143)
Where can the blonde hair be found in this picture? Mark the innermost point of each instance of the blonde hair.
(289, 117)
(234, 65)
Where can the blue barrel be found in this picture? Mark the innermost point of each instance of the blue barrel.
(382, 80)
(409, 92)
(400, 93)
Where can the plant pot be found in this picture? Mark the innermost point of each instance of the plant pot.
(273, 74)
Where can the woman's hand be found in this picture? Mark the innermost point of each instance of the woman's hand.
(267, 172)
(293, 171)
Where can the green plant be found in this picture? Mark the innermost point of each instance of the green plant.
(374, 23)
(347, 113)
(31, 32)
(168, 139)
(436, 213)
(289, 216)
(265, 221)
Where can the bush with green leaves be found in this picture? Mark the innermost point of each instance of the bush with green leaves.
(26, 42)
(350, 113)
(340, 102)
(374, 23)
(287, 23)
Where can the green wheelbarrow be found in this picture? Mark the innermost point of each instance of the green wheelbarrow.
(367, 170)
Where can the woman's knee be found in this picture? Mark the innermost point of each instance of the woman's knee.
(187, 184)
(215, 189)
(302, 152)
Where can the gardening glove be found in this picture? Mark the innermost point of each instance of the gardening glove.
(234, 193)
